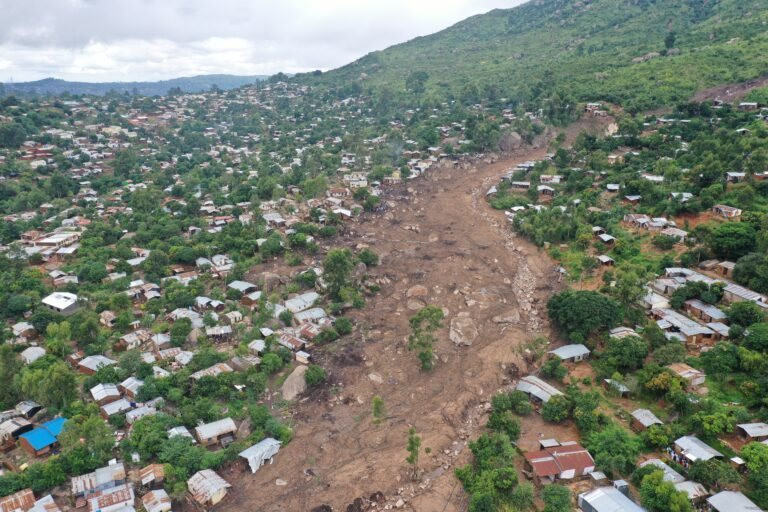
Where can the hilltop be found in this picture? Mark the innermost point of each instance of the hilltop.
(191, 84)
(639, 53)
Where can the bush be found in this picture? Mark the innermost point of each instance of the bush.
(314, 376)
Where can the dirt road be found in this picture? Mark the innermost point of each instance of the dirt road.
(439, 244)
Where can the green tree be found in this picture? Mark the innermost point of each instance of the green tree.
(378, 410)
(88, 438)
(315, 376)
(10, 366)
(413, 447)
(659, 495)
(556, 409)
(423, 326)
(583, 313)
(733, 240)
(337, 270)
(557, 498)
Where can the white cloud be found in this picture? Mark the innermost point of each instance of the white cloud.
(104, 40)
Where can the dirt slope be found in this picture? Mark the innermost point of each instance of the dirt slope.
(441, 241)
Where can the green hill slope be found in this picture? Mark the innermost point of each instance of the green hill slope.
(586, 49)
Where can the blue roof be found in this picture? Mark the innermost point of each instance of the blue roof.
(54, 426)
(39, 438)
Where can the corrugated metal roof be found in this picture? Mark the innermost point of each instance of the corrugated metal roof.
(646, 417)
(537, 387)
(204, 484)
(608, 499)
(216, 429)
(730, 501)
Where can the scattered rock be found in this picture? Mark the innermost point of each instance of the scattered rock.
(281, 482)
(376, 378)
(463, 330)
(414, 305)
(400, 503)
(295, 384)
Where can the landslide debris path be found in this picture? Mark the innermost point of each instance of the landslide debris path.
(441, 244)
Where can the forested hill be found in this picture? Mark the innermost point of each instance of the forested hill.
(192, 84)
(641, 53)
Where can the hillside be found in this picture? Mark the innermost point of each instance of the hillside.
(200, 83)
(589, 49)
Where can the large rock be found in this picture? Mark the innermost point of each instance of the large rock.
(295, 384)
(417, 291)
(510, 141)
(510, 317)
(269, 281)
(463, 330)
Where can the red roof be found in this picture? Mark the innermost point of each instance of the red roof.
(557, 459)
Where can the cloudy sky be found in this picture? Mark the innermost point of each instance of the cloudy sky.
(125, 40)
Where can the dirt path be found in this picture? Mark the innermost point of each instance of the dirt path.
(442, 242)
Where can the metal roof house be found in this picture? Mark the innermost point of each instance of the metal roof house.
(104, 478)
(607, 499)
(670, 475)
(730, 501)
(577, 352)
(207, 487)
(63, 303)
(562, 462)
(260, 453)
(537, 388)
(643, 418)
(222, 431)
(693, 449)
(753, 431)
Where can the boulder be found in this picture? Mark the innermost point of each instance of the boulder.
(510, 317)
(269, 281)
(376, 378)
(417, 291)
(463, 330)
(295, 384)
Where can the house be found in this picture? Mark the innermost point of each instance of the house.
(156, 501)
(213, 371)
(695, 491)
(218, 432)
(114, 499)
(152, 476)
(207, 488)
(676, 233)
(691, 375)
(242, 286)
(32, 354)
(107, 318)
(725, 268)
(92, 364)
(731, 501)
(181, 431)
(28, 408)
(608, 499)
(642, 419)
(105, 393)
(117, 407)
(607, 239)
(260, 453)
(725, 211)
(704, 312)
(693, 449)
(537, 389)
(693, 333)
(753, 431)
(107, 477)
(219, 333)
(571, 353)
(670, 475)
(135, 415)
(606, 260)
(735, 177)
(24, 501)
(130, 387)
(10, 430)
(63, 303)
(565, 461)
(41, 440)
